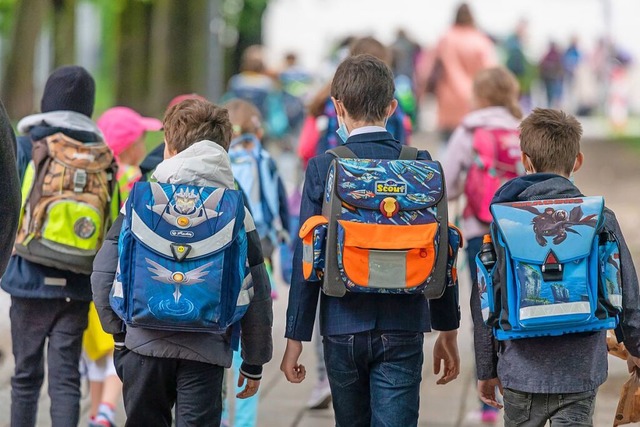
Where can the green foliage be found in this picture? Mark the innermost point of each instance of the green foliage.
(6, 14)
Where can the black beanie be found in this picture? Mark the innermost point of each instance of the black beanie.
(69, 88)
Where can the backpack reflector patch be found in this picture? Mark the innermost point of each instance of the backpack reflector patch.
(553, 269)
(183, 259)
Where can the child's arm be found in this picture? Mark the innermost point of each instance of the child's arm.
(630, 318)
(104, 271)
(457, 160)
(484, 343)
(256, 324)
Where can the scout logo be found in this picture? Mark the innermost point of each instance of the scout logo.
(391, 188)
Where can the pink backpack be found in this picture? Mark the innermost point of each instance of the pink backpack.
(496, 160)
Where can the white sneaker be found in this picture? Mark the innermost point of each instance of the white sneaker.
(320, 396)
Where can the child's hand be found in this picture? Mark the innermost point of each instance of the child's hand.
(250, 389)
(487, 391)
(445, 351)
(293, 371)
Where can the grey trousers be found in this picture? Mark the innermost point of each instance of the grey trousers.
(561, 410)
(58, 324)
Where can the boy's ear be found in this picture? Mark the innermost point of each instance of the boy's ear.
(392, 107)
(338, 107)
(578, 163)
(526, 162)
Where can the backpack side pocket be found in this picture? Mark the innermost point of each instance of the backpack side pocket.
(610, 276)
(313, 234)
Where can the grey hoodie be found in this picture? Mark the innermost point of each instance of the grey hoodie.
(204, 164)
(571, 363)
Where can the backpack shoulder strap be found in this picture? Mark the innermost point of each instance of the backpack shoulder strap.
(408, 153)
(342, 152)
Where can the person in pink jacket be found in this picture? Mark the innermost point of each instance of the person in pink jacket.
(496, 109)
(459, 55)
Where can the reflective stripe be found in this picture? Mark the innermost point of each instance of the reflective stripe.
(246, 292)
(207, 246)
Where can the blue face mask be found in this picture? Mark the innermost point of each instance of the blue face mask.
(342, 132)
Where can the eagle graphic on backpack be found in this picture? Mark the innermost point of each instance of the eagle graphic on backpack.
(558, 269)
(496, 159)
(182, 259)
(68, 203)
(383, 228)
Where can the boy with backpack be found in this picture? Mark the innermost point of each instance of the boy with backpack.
(185, 279)
(553, 276)
(69, 196)
(373, 334)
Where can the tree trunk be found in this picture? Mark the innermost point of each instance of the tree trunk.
(132, 71)
(178, 54)
(64, 34)
(17, 85)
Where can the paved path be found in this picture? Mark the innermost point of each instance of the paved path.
(609, 169)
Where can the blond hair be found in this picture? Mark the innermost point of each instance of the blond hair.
(498, 87)
(244, 116)
(551, 140)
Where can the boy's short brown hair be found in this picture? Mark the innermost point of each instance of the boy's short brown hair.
(364, 85)
(194, 120)
(551, 139)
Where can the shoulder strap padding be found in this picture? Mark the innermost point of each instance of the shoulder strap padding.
(408, 153)
(342, 152)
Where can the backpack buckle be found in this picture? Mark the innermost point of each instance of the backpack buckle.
(551, 269)
(79, 180)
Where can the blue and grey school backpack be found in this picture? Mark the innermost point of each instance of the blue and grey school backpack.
(183, 259)
(383, 228)
(558, 269)
(256, 172)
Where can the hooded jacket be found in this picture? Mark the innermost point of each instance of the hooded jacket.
(9, 190)
(25, 279)
(205, 163)
(570, 363)
(459, 156)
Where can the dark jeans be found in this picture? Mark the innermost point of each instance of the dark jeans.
(153, 385)
(375, 377)
(562, 410)
(60, 324)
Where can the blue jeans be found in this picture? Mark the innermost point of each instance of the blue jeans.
(58, 325)
(562, 410)
(375, 377)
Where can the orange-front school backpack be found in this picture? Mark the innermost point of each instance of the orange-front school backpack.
(383, 228)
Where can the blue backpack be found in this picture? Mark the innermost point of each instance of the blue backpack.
(183, 259)
(558, 269)
(256, 173)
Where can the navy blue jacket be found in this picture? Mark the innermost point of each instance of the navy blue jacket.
(359, 312)
(26, 279)
(9, 190)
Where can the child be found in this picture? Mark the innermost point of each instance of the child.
(160, 368)
(50, 294)
(558, 387)
(496, 114)
(257, 175)
(124, 132)
(364, 333)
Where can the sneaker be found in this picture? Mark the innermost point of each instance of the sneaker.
(320, 396)
(490, 416)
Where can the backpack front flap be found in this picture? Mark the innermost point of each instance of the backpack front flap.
(187, 265)
(551, 255)
(67, 207)
(387, 228)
